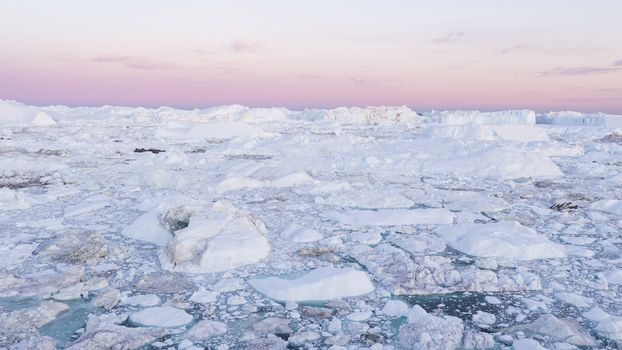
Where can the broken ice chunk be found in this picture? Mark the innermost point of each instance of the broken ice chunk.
(224, 239)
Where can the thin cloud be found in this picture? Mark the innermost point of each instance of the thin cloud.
(578, 71)
(310, 76)
(200, 51)
(589, 99)
(363, 82)
(449, 38)
(242, 46)
(133, 62)
(617, 63)
(510, 49)
(608, 90)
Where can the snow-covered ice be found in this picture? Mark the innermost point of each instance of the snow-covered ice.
(344, 228)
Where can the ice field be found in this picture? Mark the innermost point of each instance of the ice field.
(266, 228)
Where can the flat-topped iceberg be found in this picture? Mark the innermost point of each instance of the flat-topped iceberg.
(161, 316)
(503, 240)
(325, 283)
(473, 132)
(578, 118)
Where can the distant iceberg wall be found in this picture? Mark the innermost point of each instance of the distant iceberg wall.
(577, 118)
(510, 117)
(359, 115)
(15, 113)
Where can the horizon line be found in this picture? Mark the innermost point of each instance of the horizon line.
(302, 108)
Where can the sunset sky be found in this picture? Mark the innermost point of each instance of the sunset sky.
(493, 54)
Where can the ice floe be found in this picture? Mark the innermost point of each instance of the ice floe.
(503, 240)
(161, 316)
(324, 283)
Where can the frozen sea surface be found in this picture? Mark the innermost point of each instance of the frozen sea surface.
(242, 228)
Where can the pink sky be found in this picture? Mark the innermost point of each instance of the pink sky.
(542, 55)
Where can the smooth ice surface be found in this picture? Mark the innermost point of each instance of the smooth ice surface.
(161, 316)
(505, 240)
(148, 227)
(323, 283)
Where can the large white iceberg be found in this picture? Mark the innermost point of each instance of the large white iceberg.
(221, 239)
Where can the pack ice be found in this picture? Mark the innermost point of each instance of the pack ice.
(345, 228)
